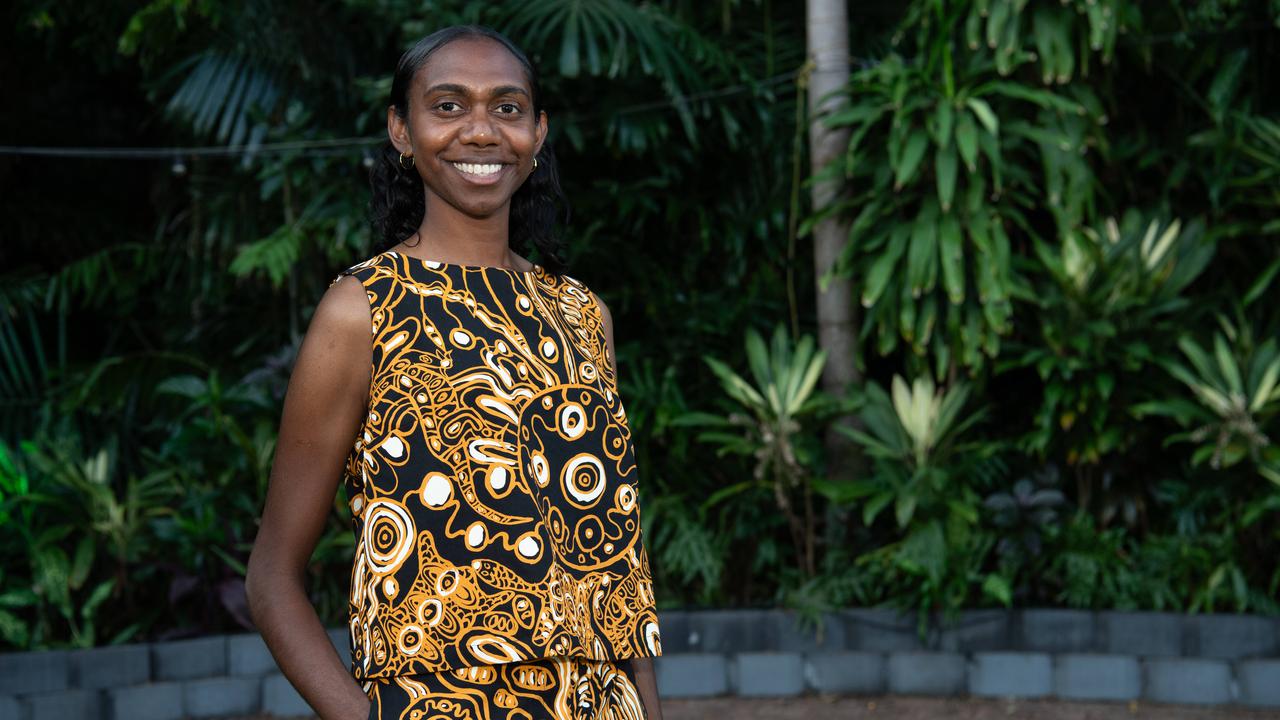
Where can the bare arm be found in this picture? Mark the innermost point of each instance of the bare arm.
(325, 403)
(646, 681)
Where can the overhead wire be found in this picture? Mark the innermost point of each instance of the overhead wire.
(344, 145)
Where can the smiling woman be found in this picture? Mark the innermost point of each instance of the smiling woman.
(467, 134)
(467, 399)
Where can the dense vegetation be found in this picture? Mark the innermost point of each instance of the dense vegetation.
(1063, 242)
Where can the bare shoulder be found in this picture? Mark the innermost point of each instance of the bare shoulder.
(344, 307)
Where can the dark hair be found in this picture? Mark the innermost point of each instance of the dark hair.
(398, 202)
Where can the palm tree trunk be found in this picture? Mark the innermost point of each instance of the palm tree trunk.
(827, 35)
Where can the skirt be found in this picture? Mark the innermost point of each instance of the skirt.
(550, 688)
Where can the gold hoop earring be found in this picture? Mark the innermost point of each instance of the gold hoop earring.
(406, 167)
(535, 163)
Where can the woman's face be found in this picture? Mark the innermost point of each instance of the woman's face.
(471, 127)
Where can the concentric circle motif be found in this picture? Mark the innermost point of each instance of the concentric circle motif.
(388, 535)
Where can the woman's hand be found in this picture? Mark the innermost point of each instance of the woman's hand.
(323, 409)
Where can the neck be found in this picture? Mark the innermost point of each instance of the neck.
(454, 237)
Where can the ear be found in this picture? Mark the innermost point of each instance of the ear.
(540, 129)
(398, 131)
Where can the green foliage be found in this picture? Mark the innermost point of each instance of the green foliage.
(940, 165)
(923, 462)
(81, 539)
(1117, 295)
(766, 424)
(1236, 391)
(1052, 206)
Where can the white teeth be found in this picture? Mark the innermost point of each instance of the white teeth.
(476, 169)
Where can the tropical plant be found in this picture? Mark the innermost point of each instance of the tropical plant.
(1023, 512)
(1093, 567)
(1116, 297)
(940, 166)
(81, 541)
(1236, 391)
(923, 464)
(767, 425)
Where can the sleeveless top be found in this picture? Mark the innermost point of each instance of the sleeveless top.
(492, 484)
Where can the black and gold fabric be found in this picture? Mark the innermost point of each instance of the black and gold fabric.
(493, 495)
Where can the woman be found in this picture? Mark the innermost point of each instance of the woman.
(499, 570)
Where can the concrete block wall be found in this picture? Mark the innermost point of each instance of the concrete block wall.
(1076, 655)
(209, 677)
(1031, 653)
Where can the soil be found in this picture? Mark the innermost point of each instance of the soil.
(909, 708)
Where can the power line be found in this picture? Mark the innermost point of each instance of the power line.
(167, 152)
(339, 146)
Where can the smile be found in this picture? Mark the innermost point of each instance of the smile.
(480, 171)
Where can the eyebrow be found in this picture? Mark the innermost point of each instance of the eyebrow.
(462, 90)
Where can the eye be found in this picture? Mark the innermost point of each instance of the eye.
(514, 108)
(441, 105)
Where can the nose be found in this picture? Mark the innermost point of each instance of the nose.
(479, 129)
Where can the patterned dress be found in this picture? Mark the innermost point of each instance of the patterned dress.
(499, 570)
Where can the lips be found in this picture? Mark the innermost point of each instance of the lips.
(480, 173)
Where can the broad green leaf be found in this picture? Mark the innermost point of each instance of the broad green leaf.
(951, 249)
(909, 161)
(1266, 386)
(997, 587)
(881, 270)
(922, 256)
(944, 119)
(904, 508)
(945, 172)
(1263, 282)
(1227, 363)
(569, 61)
(967, 140)
(985, 115)
(1198, 359)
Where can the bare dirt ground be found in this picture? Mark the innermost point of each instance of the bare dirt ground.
(908, 708)
(827, 707)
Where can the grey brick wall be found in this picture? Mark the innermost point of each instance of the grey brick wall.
(62, 705)
(1011, 674)
(1259, 682)
(33, 672)
(692, 675)
(1097, 677)
(1079, 655)
(920, 672)
(109, 667)
(247, 654)
(189, 659)
(1057, 630)
(1142, 634)
(214, 697)
(764, 674)
(877, 630)
(152, 701)
(1232, 637)
(1188, 680)
(858, 673)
